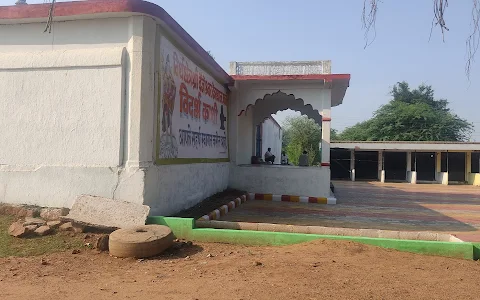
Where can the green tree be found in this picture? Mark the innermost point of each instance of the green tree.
(334, 135)
(412, 115)
(299, 134)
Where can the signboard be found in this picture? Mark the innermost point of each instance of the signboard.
(192, 111)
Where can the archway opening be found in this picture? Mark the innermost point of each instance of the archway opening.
(269, 134)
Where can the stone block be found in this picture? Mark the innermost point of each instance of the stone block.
(51, 214)
(31, 228)
(54, 224)
(33, 221)
(43, 230)
(66, 227)
(102, 243)
(107, 213)
(17, 230)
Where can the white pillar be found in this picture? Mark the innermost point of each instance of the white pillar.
(438, 167)
(468, 167)
(325, 144)
(381, 171)
(141, 92)
(409, 161)
(411, 174)
(352, 165)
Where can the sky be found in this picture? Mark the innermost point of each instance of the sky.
(286, 30)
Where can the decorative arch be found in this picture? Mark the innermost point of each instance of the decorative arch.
(279, 101)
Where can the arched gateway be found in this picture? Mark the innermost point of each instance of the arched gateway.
(264, 88)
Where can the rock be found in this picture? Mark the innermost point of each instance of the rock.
(54, 224)
(51, 214)
(12, 210)
(257, 263)
(107, 213)
(33, 221)
(77, 228)
(75, 251)
(43, 230)
(102, 243)
(66, 227)
(17, 230)
(44, 262)
(31, 228)
(24, 212)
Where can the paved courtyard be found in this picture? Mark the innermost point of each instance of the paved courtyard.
(453, 209)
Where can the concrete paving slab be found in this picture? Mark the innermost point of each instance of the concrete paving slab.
(372, 206)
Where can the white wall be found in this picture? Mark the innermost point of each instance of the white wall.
(61, 107)
(272, 138)
(282, 180)
(174, 187)
(66, 111)
(81, 117)
(171, 188)
(245, 139)
(78, 34)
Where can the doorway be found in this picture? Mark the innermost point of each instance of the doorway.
(425, 165)
(366, 165)
(340, 164)
(456, 166)
(395, 166)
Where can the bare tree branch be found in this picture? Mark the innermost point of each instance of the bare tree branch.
(48, 26)
(473, 39)
(439, 7)
(369, 19)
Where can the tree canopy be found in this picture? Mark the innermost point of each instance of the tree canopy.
(412, 115)
(301, 133)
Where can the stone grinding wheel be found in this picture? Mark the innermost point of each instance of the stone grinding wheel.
(140, 241)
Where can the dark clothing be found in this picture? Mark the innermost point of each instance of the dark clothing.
(303, 160)
(270, 159)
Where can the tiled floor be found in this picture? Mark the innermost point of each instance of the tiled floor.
(451, 209)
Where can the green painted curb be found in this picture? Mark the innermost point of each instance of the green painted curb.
(184, 228)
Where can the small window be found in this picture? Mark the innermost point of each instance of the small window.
(444, 165)
(475, 162)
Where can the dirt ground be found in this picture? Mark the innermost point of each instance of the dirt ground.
(315, 270)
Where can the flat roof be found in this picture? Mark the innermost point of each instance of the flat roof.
(436, 146)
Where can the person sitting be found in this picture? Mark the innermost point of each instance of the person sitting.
(284, 159)
(269, 157)
(303, 160)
